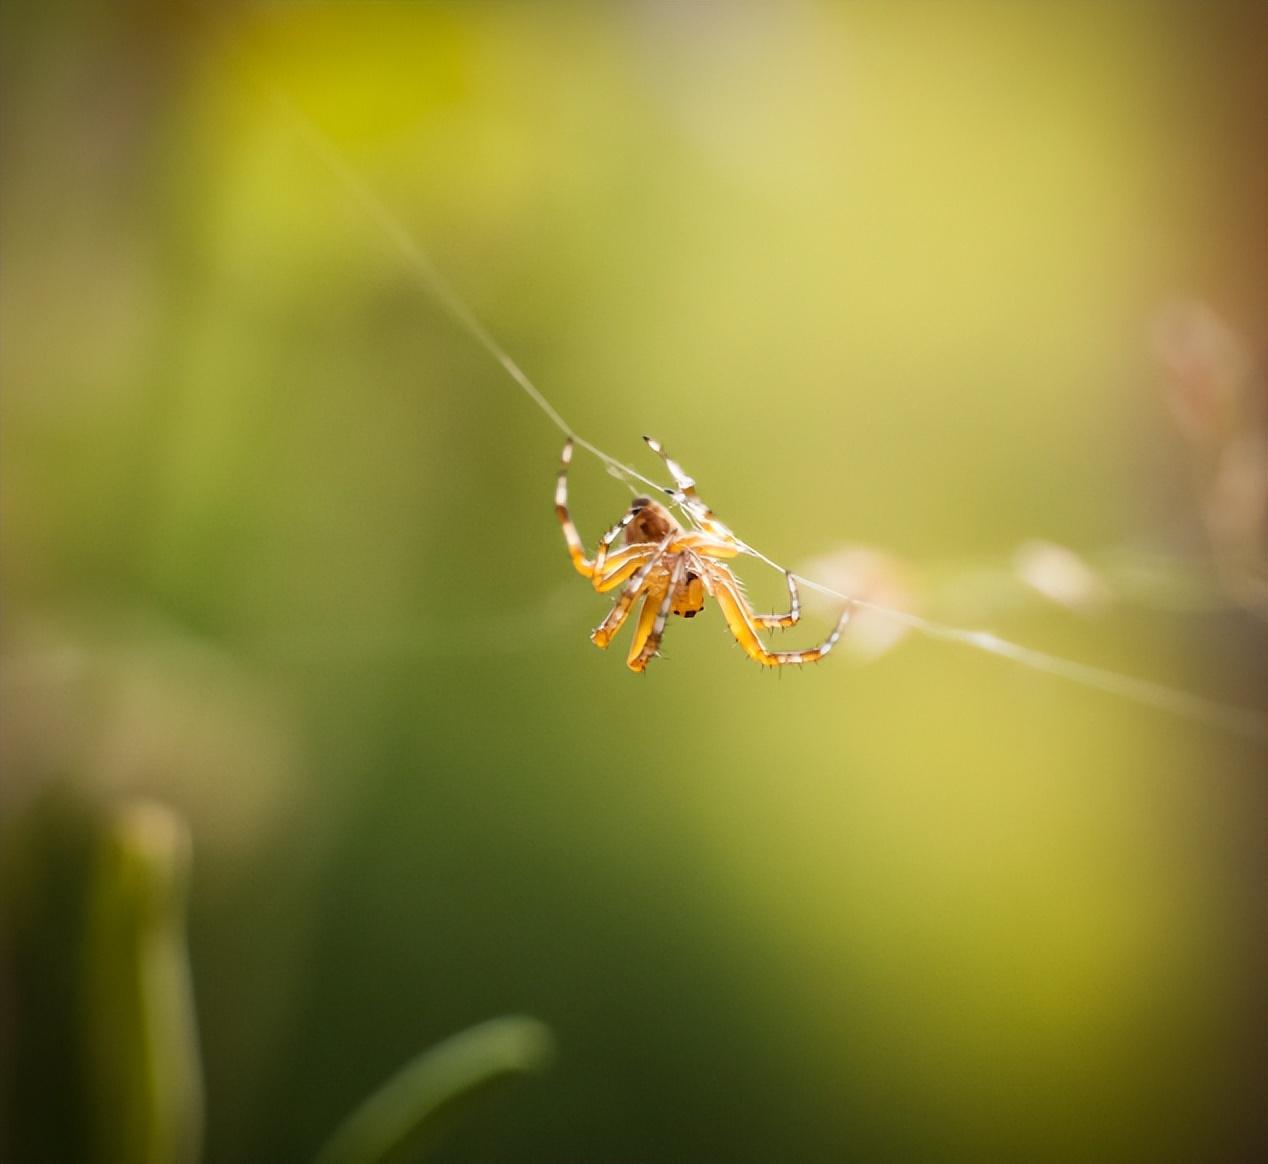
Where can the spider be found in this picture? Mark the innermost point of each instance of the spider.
(672, 569)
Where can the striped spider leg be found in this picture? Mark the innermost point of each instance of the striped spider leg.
(686, 495)
(652, 619)
(743, 622)
(671, 570)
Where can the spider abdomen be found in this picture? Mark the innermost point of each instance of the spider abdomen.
(689, 596)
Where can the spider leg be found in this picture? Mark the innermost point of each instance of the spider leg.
(576, 551)
(718, 545)
(794, 608)
(743, 625)
(713, 544)
(652, 603)
(606, 631)
(605, 542)
(687, 495)
(603, 634)
(621, 567)
(652, 629)
(686, 485)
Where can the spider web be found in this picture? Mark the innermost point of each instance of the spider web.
(1225, 717)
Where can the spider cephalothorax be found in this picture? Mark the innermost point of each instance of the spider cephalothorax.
(672, 570)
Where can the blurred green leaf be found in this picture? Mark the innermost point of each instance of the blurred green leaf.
(405, 1115)
(145, 1078)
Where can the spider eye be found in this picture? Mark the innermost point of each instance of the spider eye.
(640, 503)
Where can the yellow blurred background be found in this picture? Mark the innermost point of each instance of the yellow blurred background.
(278, 553)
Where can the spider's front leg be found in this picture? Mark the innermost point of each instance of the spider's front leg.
(576, 551)
(686, 494)
(686, 485)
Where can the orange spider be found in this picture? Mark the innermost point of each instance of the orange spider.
(672, 570)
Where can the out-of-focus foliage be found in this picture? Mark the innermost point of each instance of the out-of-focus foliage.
(278, 553)
(408, 1112)
(132, 1025)
(138, 1008)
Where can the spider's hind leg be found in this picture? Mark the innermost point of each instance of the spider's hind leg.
(742, 623)
(794, 608)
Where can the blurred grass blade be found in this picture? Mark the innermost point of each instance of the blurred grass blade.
(406, 1114)
(145, 1079)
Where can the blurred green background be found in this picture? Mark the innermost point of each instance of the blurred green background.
(278, 553)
